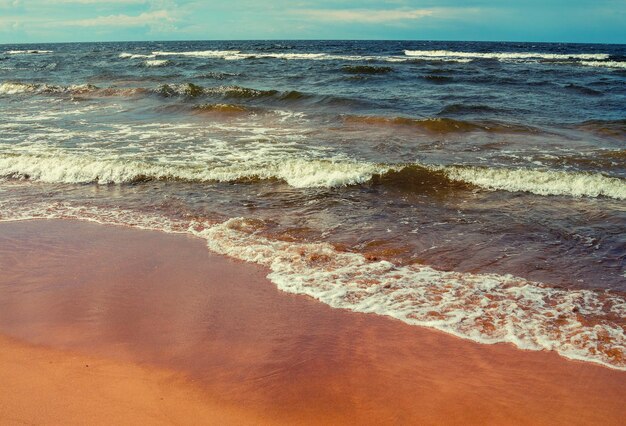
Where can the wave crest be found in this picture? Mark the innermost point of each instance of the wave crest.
(505, 55)
(311, 173)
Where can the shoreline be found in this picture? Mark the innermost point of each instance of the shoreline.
(114, 294)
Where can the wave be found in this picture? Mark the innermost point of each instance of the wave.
(157, 63)
(222, 54)
(13, 88)
(366, 69)
(16, 88)
(299, 173)
(312, 173)
(192, 90)
(438, 125)
(485, 308)
(438, 79)
(607, 64)
(28, 52)
(584, 90)
(218, 75)
(136, 56)
(505, 55)
(236, 55)
(540, 182)
(187, 90)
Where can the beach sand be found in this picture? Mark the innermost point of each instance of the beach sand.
(114, 325)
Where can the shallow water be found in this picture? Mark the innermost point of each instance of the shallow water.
(371, 162)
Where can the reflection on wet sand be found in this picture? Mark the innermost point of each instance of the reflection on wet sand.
(164, 300)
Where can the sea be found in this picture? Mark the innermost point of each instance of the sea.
(475, 188)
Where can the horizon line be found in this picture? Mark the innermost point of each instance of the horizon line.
(311, 39)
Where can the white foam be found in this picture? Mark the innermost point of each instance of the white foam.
(223, 54)
(505, 55)
(125, 55)
(541, 182)
(62, 167)
(13, 88)
(235, 55)
(27, 52)
(157, 63)
(486, 308)
(10, 88)
(299, 173)
(607, 64)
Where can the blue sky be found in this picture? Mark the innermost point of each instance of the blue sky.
(25, 21)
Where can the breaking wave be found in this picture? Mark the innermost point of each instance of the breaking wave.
(311, 173)
(505, 55)
(608, 64)
(13, 88)
(16, 88)
(27, 52)
(486, 308)
(136, 56)
(157, 63)
(540, 182)
(298, 173)
(236, 55)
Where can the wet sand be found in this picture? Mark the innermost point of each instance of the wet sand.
(221, 344)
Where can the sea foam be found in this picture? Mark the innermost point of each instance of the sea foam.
(505, 55)
(302, 173)
(27, 52)
(486, 308)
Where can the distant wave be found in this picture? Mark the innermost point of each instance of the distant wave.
(438, 79)
(236, 55)
(136, 56)
(310, 173)
(366, 69)
(505, 55)
(157, 62)
(27, 52)
(585, 59)
(608, 64)
(584, 90)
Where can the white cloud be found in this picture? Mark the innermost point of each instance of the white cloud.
(364, 15)
(5, 4)
(105, 2)
(146, 18)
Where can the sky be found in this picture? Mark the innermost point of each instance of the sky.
(37, 21)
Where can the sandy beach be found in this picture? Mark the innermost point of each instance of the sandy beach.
(104, 324)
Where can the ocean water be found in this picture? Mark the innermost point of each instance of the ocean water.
(475, 188)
